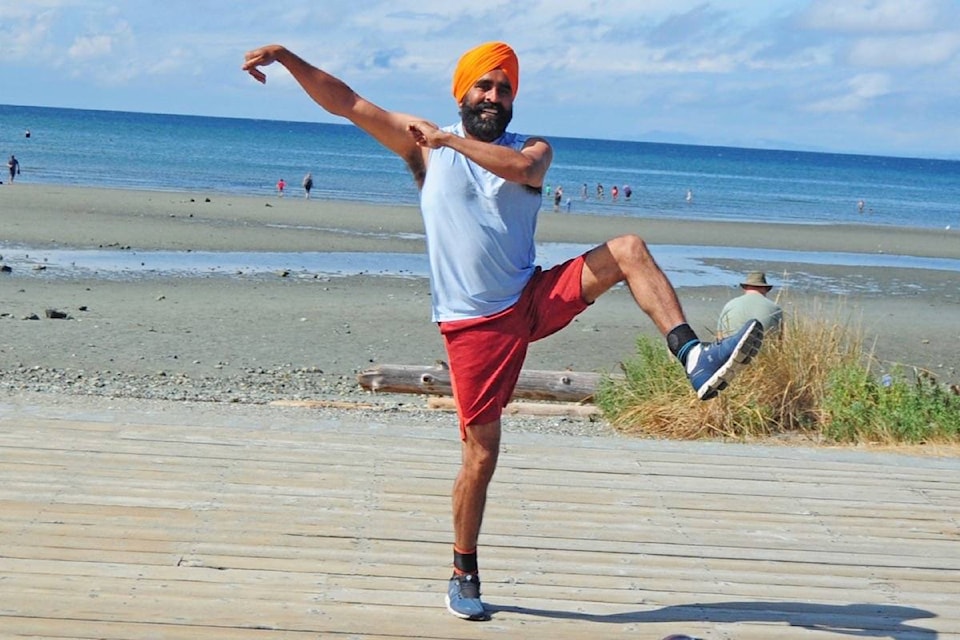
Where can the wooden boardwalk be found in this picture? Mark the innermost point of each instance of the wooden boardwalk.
(192, 523)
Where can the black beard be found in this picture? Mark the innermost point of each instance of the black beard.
(481, 128)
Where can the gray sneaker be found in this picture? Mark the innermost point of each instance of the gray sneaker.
(463, 597)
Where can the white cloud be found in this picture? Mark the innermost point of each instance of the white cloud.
(861, 91)
(875, 15)
(88, 47)
(173, 62)
(24, 34)
(906, 50)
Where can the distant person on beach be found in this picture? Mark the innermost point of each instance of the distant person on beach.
(614, 193)
(860, 205)
(307, 185)
(281, 185)
(26, 134)
(627, 192)
(480, 194)
(689, 197)
(599, 191)
(557, 197)
(753, 303)
(13, 165)
(583, 191)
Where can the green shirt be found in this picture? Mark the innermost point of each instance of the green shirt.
(742, 309)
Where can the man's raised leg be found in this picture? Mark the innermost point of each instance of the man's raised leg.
(710, 367)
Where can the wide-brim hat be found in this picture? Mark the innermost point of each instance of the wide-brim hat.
(756, 279)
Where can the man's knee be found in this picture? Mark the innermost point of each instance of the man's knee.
(629, 250)
(482, 448)
(613, 261)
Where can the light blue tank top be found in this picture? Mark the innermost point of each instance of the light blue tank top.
(480, 234)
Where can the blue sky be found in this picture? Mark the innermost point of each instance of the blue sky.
(850, 76)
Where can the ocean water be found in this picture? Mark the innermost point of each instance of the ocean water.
(232, 155)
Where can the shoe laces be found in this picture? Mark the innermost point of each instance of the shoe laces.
(469, 585)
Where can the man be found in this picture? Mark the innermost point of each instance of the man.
(307, 185)
(13, 166)
(480, 193)
(753, 303)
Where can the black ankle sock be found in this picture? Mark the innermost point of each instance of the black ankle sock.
(465, 562)
(680, 340)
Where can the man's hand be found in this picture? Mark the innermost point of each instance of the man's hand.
(261, 57)
(427, 134)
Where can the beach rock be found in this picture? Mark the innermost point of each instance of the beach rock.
(6, 268)
(55, 314)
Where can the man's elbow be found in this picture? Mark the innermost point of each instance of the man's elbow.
(531, 175)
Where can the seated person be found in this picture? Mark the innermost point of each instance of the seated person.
(752, 304)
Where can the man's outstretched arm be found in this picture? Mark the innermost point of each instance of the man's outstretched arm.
(336, 97)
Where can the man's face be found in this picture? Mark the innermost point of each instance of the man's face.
(487, 108)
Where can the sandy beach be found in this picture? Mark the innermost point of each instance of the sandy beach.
(255, 337)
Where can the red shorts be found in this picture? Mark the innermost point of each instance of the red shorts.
(486, 354)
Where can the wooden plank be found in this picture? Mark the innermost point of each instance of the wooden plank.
(525, 408)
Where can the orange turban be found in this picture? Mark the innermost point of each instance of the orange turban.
(481, 60)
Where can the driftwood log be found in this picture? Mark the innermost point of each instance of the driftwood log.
(526, 408)
(561, 386)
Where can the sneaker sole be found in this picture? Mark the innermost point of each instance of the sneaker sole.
(748, 347)
(466, 616)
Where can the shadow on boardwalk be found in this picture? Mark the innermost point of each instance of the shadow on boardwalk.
(859, 620)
